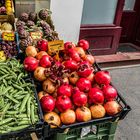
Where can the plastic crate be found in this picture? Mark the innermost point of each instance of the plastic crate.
(25, 134)
(103, 131)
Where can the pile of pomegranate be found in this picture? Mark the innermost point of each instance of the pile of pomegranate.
(72, 91)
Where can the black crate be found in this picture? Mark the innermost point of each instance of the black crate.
(25, 134)
(48, 132)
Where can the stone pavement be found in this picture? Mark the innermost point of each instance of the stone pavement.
(127, 81)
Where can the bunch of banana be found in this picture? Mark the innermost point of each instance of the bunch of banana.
(8, 5)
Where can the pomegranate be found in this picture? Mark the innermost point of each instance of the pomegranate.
(53, 119)
(40, 54)
(74, 55)
(69, 45)
(79, 98)
(31, 51)
(112, 108)
(97, 111)
(83, 114)
(84, 69)
(89, 58)
(103, 77)
(84, 44)
(68, 117)
(39, 74)
(110, 92)
(48, 86)
(42, 45)
(70, 64)
(30, 63)
(64, 89)
(96, 96)
(41, 94)
(45, 61)
(84, 84)
(91, 77)
(80, 51)
(47, 103)
(63, 103)
(73, 78)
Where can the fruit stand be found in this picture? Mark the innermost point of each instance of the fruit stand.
(53, 88)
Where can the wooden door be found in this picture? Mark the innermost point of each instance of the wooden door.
(130, 22)
(101, 25)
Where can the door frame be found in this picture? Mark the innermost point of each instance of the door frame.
(98, 32)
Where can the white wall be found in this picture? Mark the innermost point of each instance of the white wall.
(66, 15)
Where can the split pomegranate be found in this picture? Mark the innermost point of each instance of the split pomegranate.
(112, 108)
(30, 63)
(83, 114)
(53, 119)
(84, 44)
(79, 98)
(48, 86)
(96, 96)
(42, 45)
(31, 51)
(84, 84)
(97, 111)
(84, 69)
(40, 54)
(39, 74)
(68, 117)
(71, 64)
(45, 61)
(80, 51)
(73, 78)
(103, 77)
(110, 92)
(63, 103)
(64, 89)
(47, 103)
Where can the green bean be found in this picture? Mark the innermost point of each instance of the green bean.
(11, 112)
(5, 82)
(6, 90)
(32, 114)
(21, 116)
(20, 97)
(1, 78)
(24, 122)
(5, 110)
(20, 75)
(17, 87)
(12, 99)
(4, 121)
(17, 128)
(28, 106)
(6, 72)
(25, 99)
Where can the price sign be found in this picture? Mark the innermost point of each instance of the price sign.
(54, 47)
(36, 35)
(8, 36)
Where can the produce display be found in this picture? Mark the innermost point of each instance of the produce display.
(18, 107)
(6, 7)
(35, 22)
(70, 90)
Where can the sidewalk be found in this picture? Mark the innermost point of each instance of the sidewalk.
(127, 81)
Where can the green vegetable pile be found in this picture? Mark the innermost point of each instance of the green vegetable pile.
(18, 107)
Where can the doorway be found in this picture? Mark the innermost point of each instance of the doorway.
(130, 23)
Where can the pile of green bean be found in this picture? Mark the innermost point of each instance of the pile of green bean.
(18, 107)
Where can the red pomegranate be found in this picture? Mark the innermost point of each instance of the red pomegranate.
(96, 96)
(110, 92)
(69, 45)
(84, 84)
(30, 63)
(64, 89)
(79, 98)
(42, 45)
(63, 103)
(71, 64)
(45, 61)
(103, 77)
(47, 103)
(74, 55)
(84, 44)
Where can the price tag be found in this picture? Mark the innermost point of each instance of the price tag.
(54, 47)
(8, 36)
(36, 35)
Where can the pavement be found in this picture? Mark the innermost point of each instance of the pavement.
(127, 81)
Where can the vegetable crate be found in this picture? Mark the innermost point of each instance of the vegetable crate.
(105, 126)
(103, 131)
